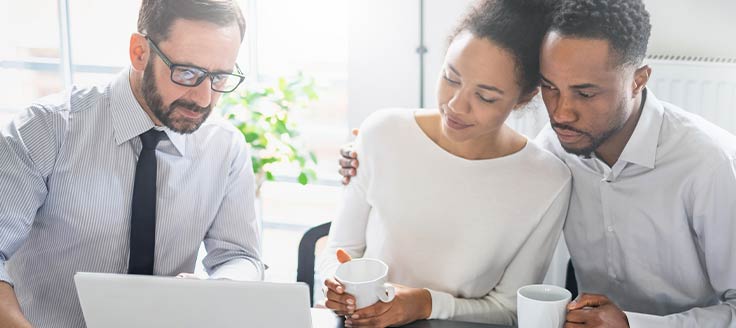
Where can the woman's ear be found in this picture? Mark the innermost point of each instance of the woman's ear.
(139, 51)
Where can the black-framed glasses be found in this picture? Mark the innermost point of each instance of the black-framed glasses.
(192, 76)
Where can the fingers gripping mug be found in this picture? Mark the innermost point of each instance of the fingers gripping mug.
(366, 280)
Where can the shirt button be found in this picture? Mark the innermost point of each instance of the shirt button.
(610, 229)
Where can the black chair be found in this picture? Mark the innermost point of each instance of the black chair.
(305, 265)
(570, 282)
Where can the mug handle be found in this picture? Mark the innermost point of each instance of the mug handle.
(386, 293)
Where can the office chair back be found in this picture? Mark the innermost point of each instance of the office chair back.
(307, 248)
(571, 282)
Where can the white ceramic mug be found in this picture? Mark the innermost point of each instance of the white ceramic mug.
(540, 306)
(365, 279)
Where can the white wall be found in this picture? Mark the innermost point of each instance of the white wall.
(693, 27)
(441, 18)
(383, 67)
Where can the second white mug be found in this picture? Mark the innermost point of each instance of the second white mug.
(542, 306)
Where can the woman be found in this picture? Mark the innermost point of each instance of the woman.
(463, 209)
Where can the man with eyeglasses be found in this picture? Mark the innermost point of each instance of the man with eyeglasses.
(130, 177)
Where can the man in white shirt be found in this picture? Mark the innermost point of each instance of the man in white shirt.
(652, 217)
(652, 221)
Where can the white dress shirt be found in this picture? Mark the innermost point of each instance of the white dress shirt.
(470, 231)
(67, 167)
(656, 232)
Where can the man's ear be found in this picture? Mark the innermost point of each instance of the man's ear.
(139, 51)
(641, 77)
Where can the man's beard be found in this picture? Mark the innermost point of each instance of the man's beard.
(595, 140)
(164, 114)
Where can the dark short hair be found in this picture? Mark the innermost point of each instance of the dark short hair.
(156, 16)
(518, 26)
(623, 23)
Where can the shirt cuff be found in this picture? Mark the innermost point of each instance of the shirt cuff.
(641, 320)
(443, 305)
(4, 276)
(238, 269)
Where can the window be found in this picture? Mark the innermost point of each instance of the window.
(100, 31)
(291, 36)
(287, 37)
(28, 60)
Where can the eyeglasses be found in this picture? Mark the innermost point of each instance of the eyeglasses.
(192, 76)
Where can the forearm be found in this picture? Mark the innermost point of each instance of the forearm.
(10, 313)
(486, 309)
(348, 230)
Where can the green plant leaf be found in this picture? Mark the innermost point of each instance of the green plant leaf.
(269, 176)
(303, 179)
(257, 165)
(280, 127)
(269, 160)
(311, 174)
(251, 136)
(272, 134)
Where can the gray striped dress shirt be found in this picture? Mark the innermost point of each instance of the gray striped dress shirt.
(67, 166)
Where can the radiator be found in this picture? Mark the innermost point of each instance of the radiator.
(704, 86)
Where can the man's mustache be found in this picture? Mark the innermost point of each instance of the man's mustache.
(569, 128)
(190, 106)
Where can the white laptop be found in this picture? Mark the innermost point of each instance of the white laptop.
(118, 300)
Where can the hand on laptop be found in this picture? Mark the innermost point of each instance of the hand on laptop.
(591, 310)
(185, 275)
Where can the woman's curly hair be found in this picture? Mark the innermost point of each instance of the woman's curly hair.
(517, 26)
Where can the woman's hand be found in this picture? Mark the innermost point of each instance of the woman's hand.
(409, 305)
(337, 300)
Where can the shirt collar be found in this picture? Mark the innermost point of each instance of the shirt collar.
(129, 118)
(642, 146)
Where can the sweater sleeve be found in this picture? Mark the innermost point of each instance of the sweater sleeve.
(348, 229)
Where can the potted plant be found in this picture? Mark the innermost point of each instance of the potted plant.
(263, 116)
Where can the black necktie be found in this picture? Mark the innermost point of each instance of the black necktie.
(143, 215)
